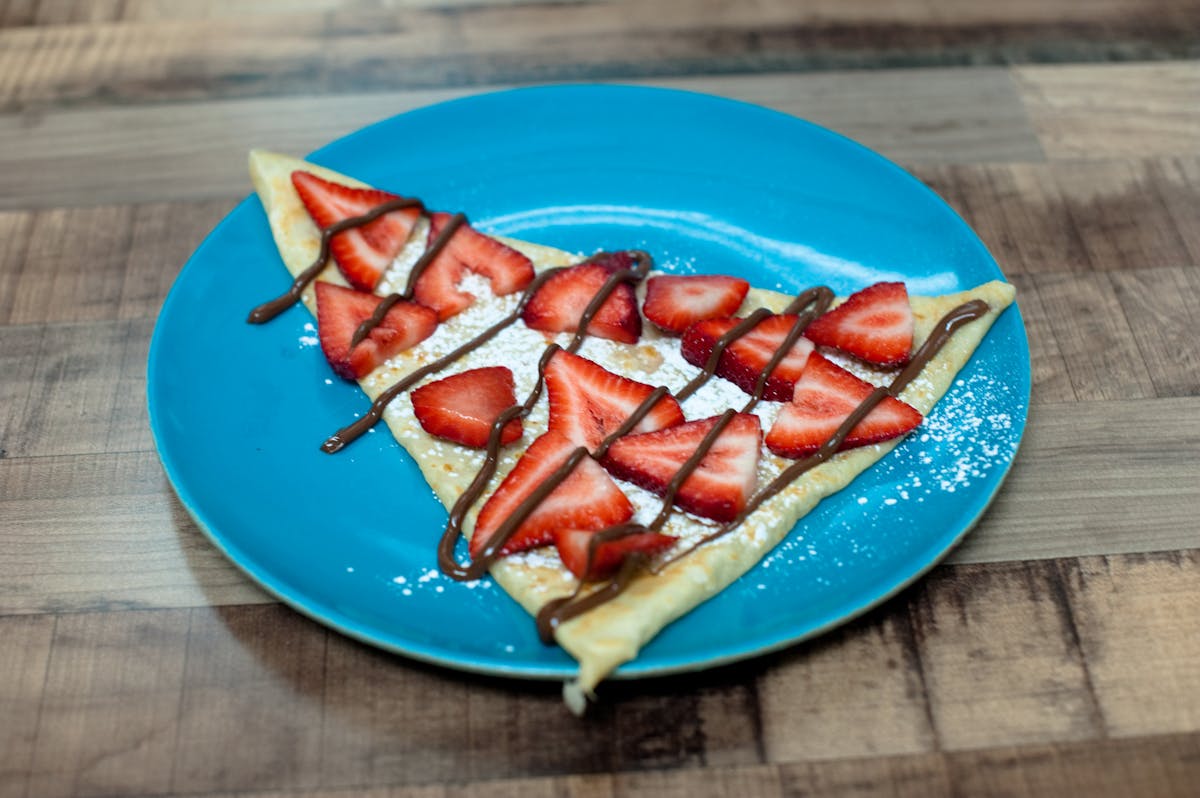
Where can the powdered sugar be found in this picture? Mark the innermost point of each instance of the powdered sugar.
(309, 339)
(955, 446)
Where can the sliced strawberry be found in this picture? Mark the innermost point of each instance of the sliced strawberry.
(718, 488)
(825, 395)
(676, 302)
(468, 249)
(559, 303)
(341, 310)
(875, 324)
(572, 545)
(588, 402)
(746, 358)
(588, 499)
(463, 407)
(362, 253)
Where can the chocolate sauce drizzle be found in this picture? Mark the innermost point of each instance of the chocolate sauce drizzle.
(562, 609)
(348, 434)
(432, 251)
(490, 551)
(808, 305)
(269, 310)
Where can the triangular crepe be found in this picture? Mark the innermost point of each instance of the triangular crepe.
(612, 634)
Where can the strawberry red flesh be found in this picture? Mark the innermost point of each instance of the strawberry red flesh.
(675, 302)
(560, 302)
(463, 407)
(588, 499)
(874, 324)
(506, 269)
(719, 487)
(572, 545)
(825, 396)
(747, 357)
(588, 402)
(363, 253)
(341, 310)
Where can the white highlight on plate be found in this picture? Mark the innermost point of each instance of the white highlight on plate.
(697, 225)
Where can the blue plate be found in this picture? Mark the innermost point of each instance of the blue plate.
(706, 185)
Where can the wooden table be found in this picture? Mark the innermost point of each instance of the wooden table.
(1057, 652)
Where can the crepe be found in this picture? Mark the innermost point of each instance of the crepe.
(613, 633)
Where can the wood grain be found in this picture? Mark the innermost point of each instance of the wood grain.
(1175, 179)
(1048, 368)
(75, 388)
(865, 681)
(1094, 337)
(103, 532)
(1005, 663)
(1061, 499)
(972, 631)
(1163, 309)
(66, 156)
(109, 704)
(1079, 216)
(173, 57)
(23, 661)
(252, 674)
(14, 239)
(131, 256)
(1053, 654)
(1083, 113)
(1160, 766)
(1139, 675)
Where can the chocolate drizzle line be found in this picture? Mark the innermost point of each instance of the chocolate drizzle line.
(349, 433)
(562, 609)
(488, 555)
(818, 298)
(817, 301)
(432, 251)
(942, 332)
(809, 305)
(269, 310)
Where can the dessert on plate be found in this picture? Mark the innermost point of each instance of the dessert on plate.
(617, 445)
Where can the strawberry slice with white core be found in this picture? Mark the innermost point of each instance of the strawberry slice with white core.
(463, 407)
(363, 253)
(675, 302)
(588, 499)
(560, 302)
(874, 324)
(825, 396)
(720, 485)
(572, 545)
(341, 310)
(506, 269)
(588, 402)
(747, 357)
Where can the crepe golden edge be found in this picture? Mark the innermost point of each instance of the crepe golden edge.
(613, 633)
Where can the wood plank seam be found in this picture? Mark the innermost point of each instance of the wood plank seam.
(1062, 602)
(1017, 87)
(175, 742)
(926, 774)
(912, 651)
(41, 703)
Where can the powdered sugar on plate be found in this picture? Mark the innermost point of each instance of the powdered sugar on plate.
(959, 442)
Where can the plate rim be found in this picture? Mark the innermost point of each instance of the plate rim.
(634, 669)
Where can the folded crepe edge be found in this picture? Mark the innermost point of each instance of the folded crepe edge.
(614, 633)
